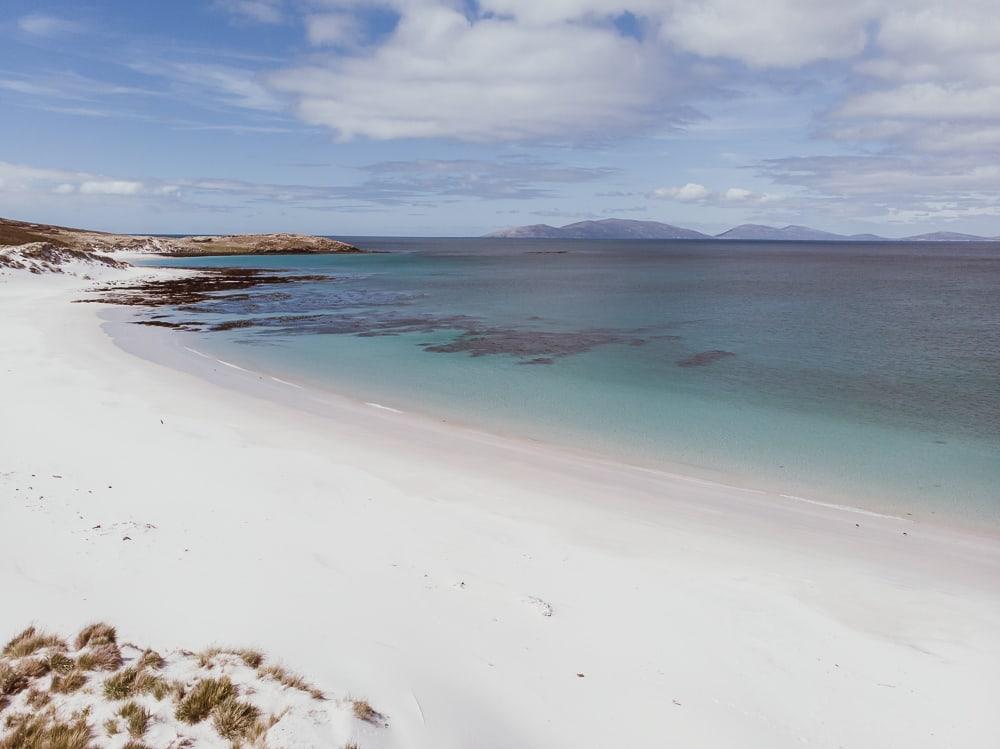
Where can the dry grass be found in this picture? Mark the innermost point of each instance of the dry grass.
(33, 654)
(61, 664)
(150, 659)
(96, 634)
(131, 681)
(37, 699)
(121, 685)
(136, 719)
(291, 680)
(34, 668)
(31, 641)
(68, 683)
(200, 701)
(234, 719)
(105, 657)
(45, 731)
(363, 711)
(252, 658)
(12, 680)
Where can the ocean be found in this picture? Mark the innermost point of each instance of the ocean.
(860, 374)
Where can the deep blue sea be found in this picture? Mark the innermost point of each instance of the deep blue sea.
(861, 374)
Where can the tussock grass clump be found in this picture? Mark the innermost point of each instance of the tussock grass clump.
(31, 641)
(253, 658)
(121, 685)
(34, 668)
(111, 727)
(150, 659)
(12, 680)
(234, 719)
(200, 701)
(106, 657)
(291, 680)
(136, 719)
(37, 699)
(69, 683)
(61, 664)
(96, 634)
(131, 681)
(135, 745)
(45, 731)
(363, 711)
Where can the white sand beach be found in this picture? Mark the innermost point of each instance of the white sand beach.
(479, 591)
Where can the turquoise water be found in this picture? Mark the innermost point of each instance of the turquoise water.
(861, 374)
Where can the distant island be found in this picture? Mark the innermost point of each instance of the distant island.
(616, 228)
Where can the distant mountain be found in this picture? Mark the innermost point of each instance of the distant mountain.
(609, 228)
(946, 236)
(617, 228)
(791, 232)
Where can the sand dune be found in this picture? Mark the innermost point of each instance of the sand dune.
(481, 591)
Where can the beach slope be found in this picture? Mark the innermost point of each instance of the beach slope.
(480, 591)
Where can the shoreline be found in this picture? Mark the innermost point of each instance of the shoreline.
(414, 562)
(163, 347)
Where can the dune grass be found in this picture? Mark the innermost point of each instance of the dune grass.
(95, 634)
(196, 705)
(252, 658)
(30, 641)
(291, 680)
(103, 657)
(42, 665)
(136, 719)
(69, 683)
(61, 664)
(12, 681)
(363, 711)
(132, 681)
(234, 719)
(45, 731)
(150, 659)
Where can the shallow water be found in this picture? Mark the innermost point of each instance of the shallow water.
(865, 374)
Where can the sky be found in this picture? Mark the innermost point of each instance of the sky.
(452, 117)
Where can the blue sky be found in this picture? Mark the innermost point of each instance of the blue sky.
(456, 118)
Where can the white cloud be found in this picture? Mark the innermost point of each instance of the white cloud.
(259, 11)
(235, 86)
(742, 195)
(44, 25)
(738, 194)
(24, 178)
(497, 78)
(770, 33)
(333, 29)
(689, 193)
(932, 101)
(111, 187)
